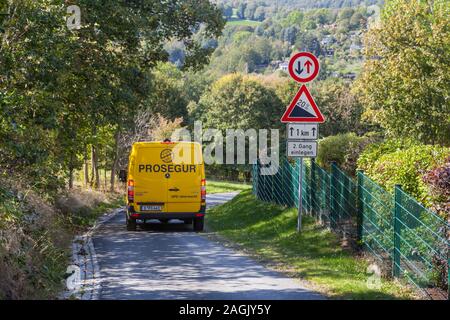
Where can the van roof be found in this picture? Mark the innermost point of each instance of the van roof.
(147, 143)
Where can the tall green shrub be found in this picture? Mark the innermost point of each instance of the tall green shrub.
(343, 149)
(389, 166)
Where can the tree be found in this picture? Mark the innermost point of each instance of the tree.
(357, 20)
(239, 102)
(146, 126)
(289, 35)
(250, 11)
(260, 14)
(341, 108)
(346, 13)
(294, 18)
(306, 41)
(167, 96)
(227, 11)
(60, 88)
(241, 10)
(406, 79)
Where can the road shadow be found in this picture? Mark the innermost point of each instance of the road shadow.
(170, 261)
(171, 226)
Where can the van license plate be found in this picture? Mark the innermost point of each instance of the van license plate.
(151, 208)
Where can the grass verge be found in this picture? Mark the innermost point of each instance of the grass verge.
(268, 232)
(224, 187)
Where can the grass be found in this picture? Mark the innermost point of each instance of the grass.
(268, 232)
(223, 187)
(86, 216)
(238, 22)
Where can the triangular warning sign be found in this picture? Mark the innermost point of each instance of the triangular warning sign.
(303, 109)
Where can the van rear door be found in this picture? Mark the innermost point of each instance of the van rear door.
(150, 183)
(184, 185)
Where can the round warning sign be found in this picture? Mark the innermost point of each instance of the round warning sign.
(304, 67)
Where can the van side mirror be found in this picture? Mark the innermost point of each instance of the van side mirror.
(123, 176)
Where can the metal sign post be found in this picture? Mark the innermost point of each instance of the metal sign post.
(300, 202)
(302, 117)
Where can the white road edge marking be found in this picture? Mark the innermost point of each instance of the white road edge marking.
(85, 257)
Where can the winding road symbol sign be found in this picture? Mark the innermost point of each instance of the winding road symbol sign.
(304, 67)
(303, 109)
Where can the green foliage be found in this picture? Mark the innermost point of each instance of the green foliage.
(60, 88)
(374, 151)
(340, 106)
(241, 36)
(32, 260)
(406, 77)
(245, 53)
(343, 149)
(167, 96)
(286, 29)
(392, 163)
(438, 182)
(240, 102)
(294, 18)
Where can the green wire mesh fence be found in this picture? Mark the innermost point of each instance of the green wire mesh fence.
(408, 240)
(376, 208)
(420, 244)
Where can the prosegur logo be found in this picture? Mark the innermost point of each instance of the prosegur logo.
(167, 168)
(171, 164)
(166, 156)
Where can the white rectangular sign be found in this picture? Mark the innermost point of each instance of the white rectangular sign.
(302, 149)
(302, 131)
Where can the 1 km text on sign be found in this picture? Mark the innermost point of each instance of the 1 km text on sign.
(302, 131)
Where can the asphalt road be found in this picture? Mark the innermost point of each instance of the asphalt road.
(172, 262)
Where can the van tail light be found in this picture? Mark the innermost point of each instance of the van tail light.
(130, 190)
(203, 189)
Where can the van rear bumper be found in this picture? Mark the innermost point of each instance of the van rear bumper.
(165, 215)
(132, 214)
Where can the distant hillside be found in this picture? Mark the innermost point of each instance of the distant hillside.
(298, 4)
(325, 3)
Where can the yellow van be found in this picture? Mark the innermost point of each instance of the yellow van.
(166, 180)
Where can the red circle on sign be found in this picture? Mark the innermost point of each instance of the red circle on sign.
(314, 61)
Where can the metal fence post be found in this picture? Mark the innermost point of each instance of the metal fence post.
(291, 184)
(397, 242)
(359, 208)
(272, 195)
(313, 189)
(300, 196)
(283, 191)
(263, 186)
(254, 179)
(333, 195)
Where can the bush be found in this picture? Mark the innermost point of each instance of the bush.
(374, 151)
(392, 163)
(344, 149)
(438, 182)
